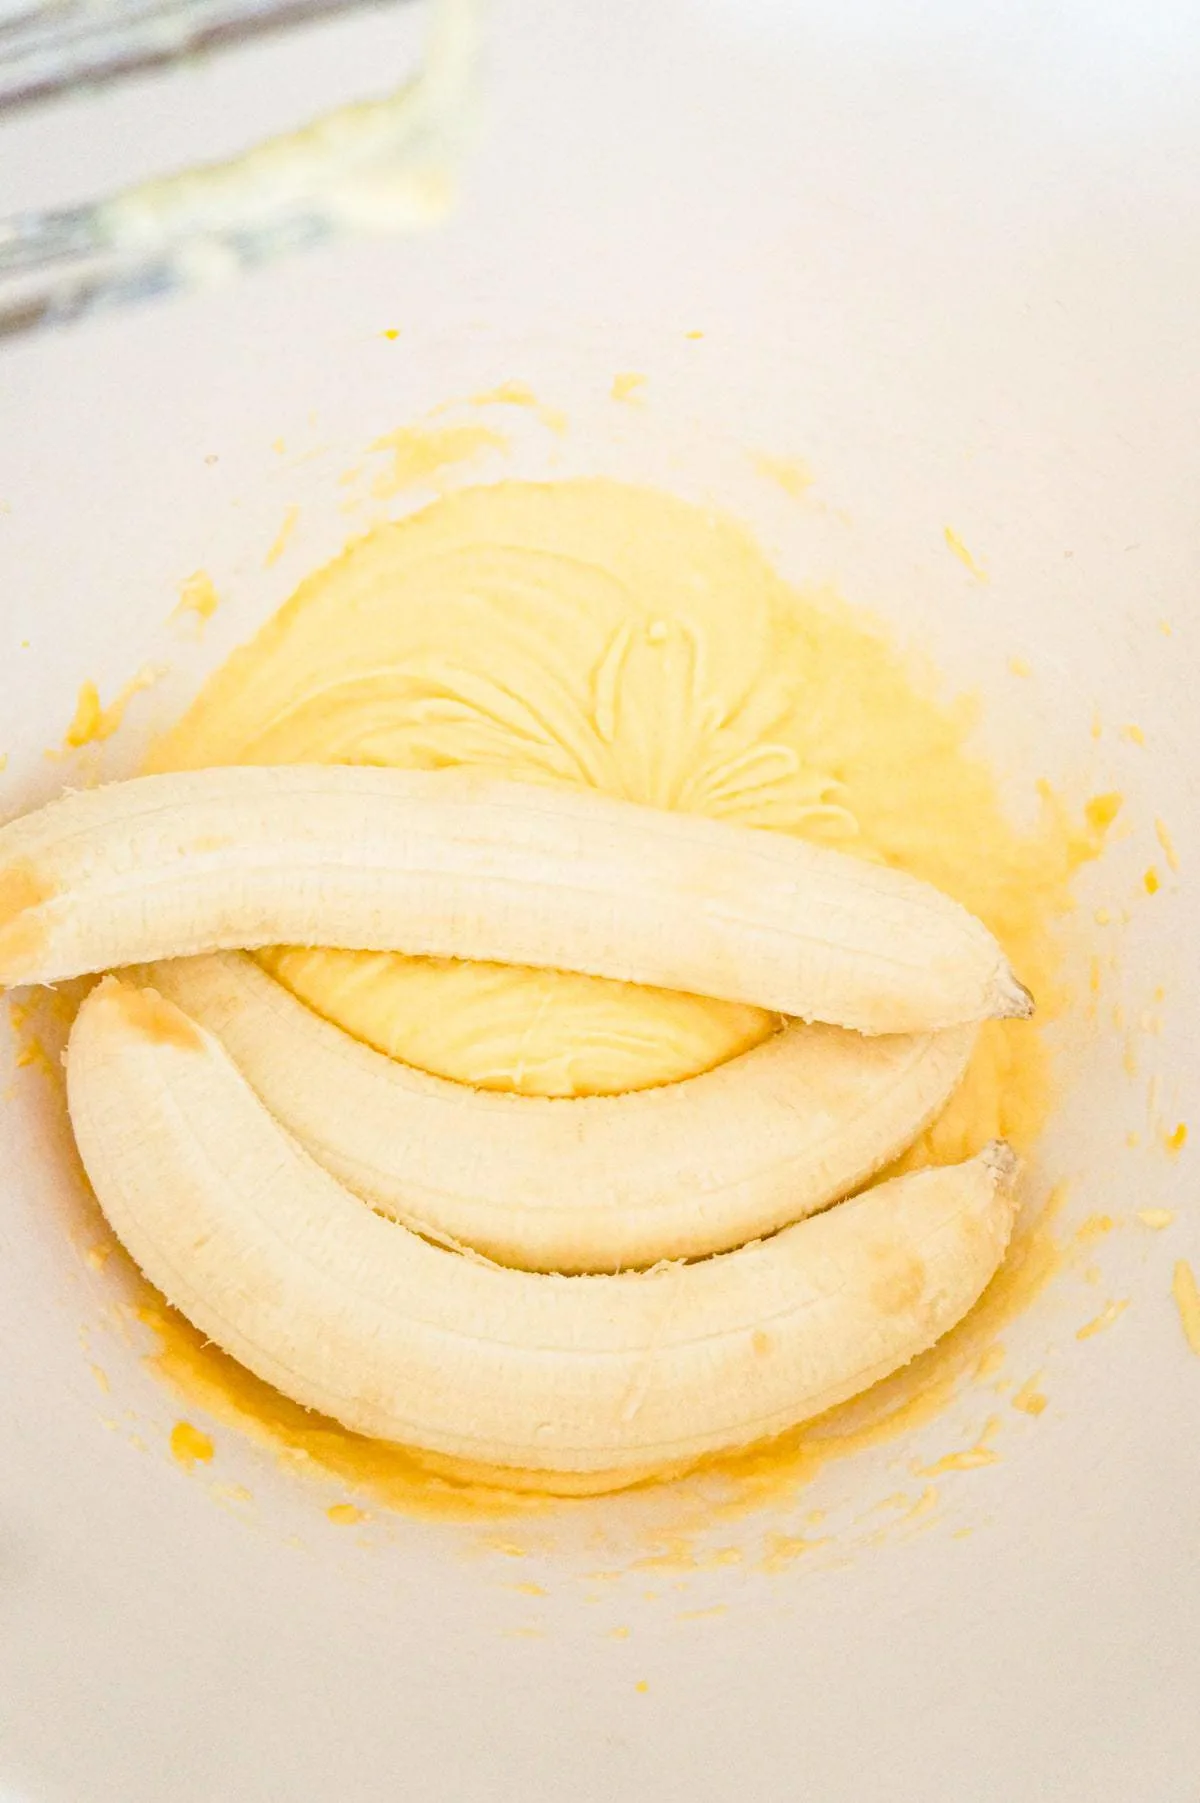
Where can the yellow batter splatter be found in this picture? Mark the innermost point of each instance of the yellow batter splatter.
(971, 1458)
(1187, 1299)
(1112, 1311)
(788, 473)
(627, 386)
(420, 453)
(1163, 834)
(282, 538)
(92, 722)
(519, 394)
(782, 1550)
(1029, 1398)
(963, 555)
(344, 1514)
(198, 597)
(190, 1446)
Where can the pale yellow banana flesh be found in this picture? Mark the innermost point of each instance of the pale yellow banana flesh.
(591, 1184)
(357, 1316)
(459, 864)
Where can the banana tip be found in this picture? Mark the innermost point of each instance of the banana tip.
(150, 1015)
(1002, 1162)
(1014, 1001)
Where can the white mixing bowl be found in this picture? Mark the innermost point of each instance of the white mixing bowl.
(953, 268)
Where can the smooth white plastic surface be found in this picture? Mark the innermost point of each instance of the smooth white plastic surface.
(953, 267)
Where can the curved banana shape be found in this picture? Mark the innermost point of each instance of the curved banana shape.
(601, 1183)
(463, 865)
(356, 1316)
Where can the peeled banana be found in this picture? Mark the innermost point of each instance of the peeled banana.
(591, 1184)
(359, 1317)
(461, 864)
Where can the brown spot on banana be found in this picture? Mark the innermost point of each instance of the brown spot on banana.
(898, 1285)
(159, 1021)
